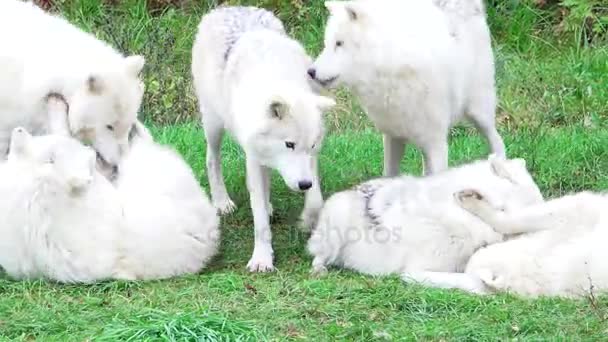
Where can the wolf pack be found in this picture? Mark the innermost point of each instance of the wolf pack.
(87, 194)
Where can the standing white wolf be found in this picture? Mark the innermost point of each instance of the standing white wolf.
(42, 53)
(250, 79)
(410, 225)
(417, 67)
(561, 250)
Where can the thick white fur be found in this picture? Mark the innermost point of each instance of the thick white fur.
(61, 219)
(413, 226)
(66, 222)
(418, 67)
(42, 53)
(172, 227)
(250, 80)
(562, 250)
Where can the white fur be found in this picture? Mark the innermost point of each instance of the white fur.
(250, 80)
(172, 227)
(562, 250)
(409, 225)
(62, 220)
(418, 67)
(66, 222)
(42, 53)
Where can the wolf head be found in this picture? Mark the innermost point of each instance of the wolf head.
(104, 108)
(289, 137)
(54, 159)
(342, 32)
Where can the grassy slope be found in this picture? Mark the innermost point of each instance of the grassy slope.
(290, 303)
(542, 83)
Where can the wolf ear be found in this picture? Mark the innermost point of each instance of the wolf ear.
(353, 12)
(134, 65)
(20, 142)
(351, 9)
(499, 167)
(138, 130)
(278, 109)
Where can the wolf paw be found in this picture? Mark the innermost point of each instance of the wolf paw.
(318, 271)
(225, 207)
(260, 262)
(468, 198)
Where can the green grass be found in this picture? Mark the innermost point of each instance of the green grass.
(553, 112)
(227, 301)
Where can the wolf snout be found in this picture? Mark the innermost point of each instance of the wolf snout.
(312, 72)
(304, 185)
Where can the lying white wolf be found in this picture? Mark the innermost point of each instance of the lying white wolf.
(61, 219)
(42, 53)
(64, 221)
(417, 67)
(172, 227)
(410, 224)
(250, 80)
(562, 250)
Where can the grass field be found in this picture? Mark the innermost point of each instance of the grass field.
(553, 112)
(290, 304)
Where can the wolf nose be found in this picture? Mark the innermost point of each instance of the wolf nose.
(312, 73)
(304, 185)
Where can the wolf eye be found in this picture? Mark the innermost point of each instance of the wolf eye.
(110, 128)
(339, 43)
(50, 159)
(290, 144)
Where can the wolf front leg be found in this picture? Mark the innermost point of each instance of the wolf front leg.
(393, 153)
(313, 201)
(214, 131)
(567, 212)
(435, 153)
(261, 260)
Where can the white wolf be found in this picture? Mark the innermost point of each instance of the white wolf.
(413, 225)
(561, 250)
(66, 222)
(42, 53)
(172, 227)
(250, 79)
(61, 219)
(417, 67)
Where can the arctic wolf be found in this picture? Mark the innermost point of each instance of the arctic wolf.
(560, 251)
(66, 222)
(409, 224)
(250, 79)
(417, 67)
(172, 227)
(61, 219)
(42, 53)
